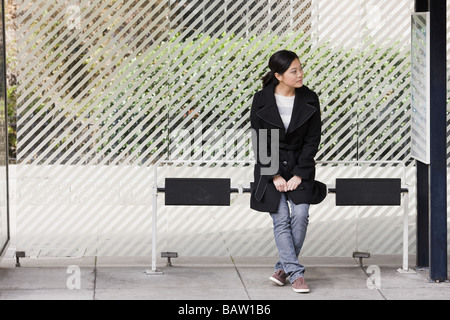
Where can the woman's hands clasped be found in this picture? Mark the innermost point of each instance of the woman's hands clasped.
(285, 186)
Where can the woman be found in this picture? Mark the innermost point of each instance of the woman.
(287, 106)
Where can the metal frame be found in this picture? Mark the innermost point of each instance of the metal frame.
(154, 271)
(5, 246)
(432, 190)
(438, 161)
(421, 155)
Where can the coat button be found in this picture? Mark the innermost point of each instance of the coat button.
(285, 163)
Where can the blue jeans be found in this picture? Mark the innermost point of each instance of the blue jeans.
(290, 226)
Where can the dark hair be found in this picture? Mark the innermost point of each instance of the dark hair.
(278, 63)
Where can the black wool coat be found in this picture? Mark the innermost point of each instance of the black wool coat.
(298, 147)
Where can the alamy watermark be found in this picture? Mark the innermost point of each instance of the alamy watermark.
(74, 14)
(74, 17)
(74, 280)
(227, 146)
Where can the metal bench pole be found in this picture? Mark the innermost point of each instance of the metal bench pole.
(154, 227)
(405, 268)
(405, 234)
(153, 270)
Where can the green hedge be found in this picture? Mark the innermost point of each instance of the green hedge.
(159, 83)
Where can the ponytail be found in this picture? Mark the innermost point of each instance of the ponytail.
(269, 78)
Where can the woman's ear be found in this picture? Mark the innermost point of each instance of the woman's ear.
(278, 77)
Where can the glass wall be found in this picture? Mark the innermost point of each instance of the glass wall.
(108, 88)
(4, 194)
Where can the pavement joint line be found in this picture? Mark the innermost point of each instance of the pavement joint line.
(95, 278)
(240, 277)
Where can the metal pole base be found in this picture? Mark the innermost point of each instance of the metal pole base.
(403, 271)
(151, 272)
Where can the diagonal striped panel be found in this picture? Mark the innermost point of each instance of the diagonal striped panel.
(101, 72)
(109, 88)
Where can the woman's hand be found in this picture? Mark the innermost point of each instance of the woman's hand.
(294, 183)
(280, 184)
(283, 186)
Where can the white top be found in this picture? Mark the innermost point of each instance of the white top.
(285, 107)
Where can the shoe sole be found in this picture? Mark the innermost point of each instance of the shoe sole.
(278, 282)
(301, 290)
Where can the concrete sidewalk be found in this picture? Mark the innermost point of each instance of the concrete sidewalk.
(210, 279)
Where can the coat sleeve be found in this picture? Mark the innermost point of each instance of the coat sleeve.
(305, 167)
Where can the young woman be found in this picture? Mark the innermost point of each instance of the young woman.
(289, 107)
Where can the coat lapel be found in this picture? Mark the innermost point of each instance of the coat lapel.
(303, 110)
(270, 113)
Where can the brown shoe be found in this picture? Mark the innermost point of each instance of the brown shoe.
(300, 286)
(279, 278)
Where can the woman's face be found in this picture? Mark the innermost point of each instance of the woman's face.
(293, 77)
